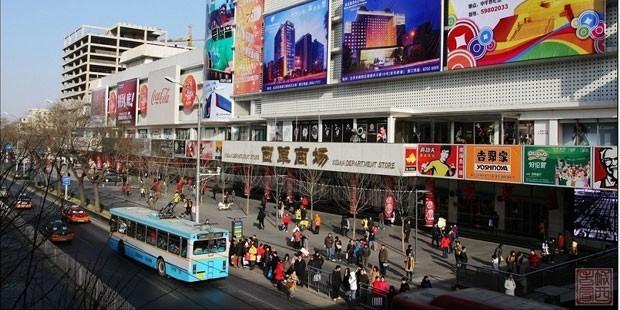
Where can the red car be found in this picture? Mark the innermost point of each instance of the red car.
(58, 231)
(75, 214)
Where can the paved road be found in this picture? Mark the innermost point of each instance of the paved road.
(143, 288)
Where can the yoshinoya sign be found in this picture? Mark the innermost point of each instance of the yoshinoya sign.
(495, 163)
(163, 96)
(126, 101)
(385, 159)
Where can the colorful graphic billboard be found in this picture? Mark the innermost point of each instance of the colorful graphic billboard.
(126, 101)
(248, 47)
(218, 73)
(188, 91)
(605, 167)
(495, 163)
(384, 38)
(441, 160)
(295, 49)
(208, 149)
(112, 104)
(143, 98)
(484, 33)
(411, 159)
(557, 165)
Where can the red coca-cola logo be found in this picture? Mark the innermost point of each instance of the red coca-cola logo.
(144, 98)
(160, 97)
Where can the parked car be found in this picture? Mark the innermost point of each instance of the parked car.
(4, 192)
(23, 201)
(75, 214)
(58, 231)
(113, 176)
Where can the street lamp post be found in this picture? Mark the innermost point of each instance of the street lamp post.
(415, 247)
(208, 90)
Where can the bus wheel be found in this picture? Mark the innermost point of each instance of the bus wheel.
(161, 267)
(120, 247)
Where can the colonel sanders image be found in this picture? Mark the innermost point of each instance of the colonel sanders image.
(609, 159)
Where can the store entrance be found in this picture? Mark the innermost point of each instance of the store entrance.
(523, 216)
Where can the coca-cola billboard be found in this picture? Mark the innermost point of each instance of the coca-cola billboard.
(163, 97)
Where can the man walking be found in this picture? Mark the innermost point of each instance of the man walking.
(383, 260)
(261, 218)
(329, 246)
(407, 228)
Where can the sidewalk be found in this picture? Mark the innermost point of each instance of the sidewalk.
(429, 260)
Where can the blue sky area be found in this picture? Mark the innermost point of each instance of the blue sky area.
(32, 34)
(415, 11)
(307, 18)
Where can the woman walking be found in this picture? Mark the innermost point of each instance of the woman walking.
(409, 265)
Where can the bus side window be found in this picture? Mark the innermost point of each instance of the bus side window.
(183, 247)
(131, 230)
(162, 240)
(122, 225)
(220, 245)
(140, 232)
(114, 223)
(173, 244)
(151, 235)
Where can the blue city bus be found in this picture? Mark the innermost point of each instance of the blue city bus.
(176, 247)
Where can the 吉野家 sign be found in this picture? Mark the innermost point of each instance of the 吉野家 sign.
(494, 163)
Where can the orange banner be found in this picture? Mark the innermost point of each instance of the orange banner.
(499, 163)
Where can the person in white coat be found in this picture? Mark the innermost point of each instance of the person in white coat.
(352, 285)
(510, 285)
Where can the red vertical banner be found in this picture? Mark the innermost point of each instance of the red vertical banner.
(267, 182)
(290, 177)
(429, 204)
(353, 207)
(247, 170)
(388, 208)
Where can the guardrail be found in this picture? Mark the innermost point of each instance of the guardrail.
(560, 274)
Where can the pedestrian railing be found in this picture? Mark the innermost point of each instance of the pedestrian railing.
(370, 299)
(561, 274)
(319, 281)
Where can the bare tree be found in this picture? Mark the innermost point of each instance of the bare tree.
(402, 192)
(354, 193)
(310, 185)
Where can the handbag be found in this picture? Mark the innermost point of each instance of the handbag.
(316, 277)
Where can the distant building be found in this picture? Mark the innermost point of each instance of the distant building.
(373, 29)
(284, 49)
(92, 52)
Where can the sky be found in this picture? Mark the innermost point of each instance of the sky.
(32, 33)
(310, 22)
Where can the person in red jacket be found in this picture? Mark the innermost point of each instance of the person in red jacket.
(444, 244)
(260, 255)
(286, 219)
(380, 286)
(534, 259)
(278, 274)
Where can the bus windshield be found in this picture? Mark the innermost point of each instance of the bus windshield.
(209, 246)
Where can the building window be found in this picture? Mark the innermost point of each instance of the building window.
(526, 133)
(168, 134)
(484, 133)
(182, 133)
(463, 133)
(143, 133)
(589, 132)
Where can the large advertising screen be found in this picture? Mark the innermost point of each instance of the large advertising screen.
(384, 38)
(595, 214)
(218, 73)
(495, 163)
(248, 47)
(564, 166)
(605, 167)
(295, 49)
(441, 160)
(126, 101)
(163, 97)
(484, 33)
(97, 106)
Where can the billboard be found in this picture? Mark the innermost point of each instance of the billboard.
(248, 47)
(565, 166)
(495, 163)
(162, 99)
(188, 92)
(218, 66)
(295, 46)
(208, 149)
(484, 33)
(112, 104)
(441, 160)
(605, 167)
(385, 38)
(143, 98)
(97, 105)
(385, 159)
(126, 101)
(411, 159)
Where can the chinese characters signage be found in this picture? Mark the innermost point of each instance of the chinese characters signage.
(557, 165)
(491, 32)
(384, 38)
(248, 46)
(295, 49)
(383, 159)
(594, 286)
(126, 101)
(441, 160)
(493, 163)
